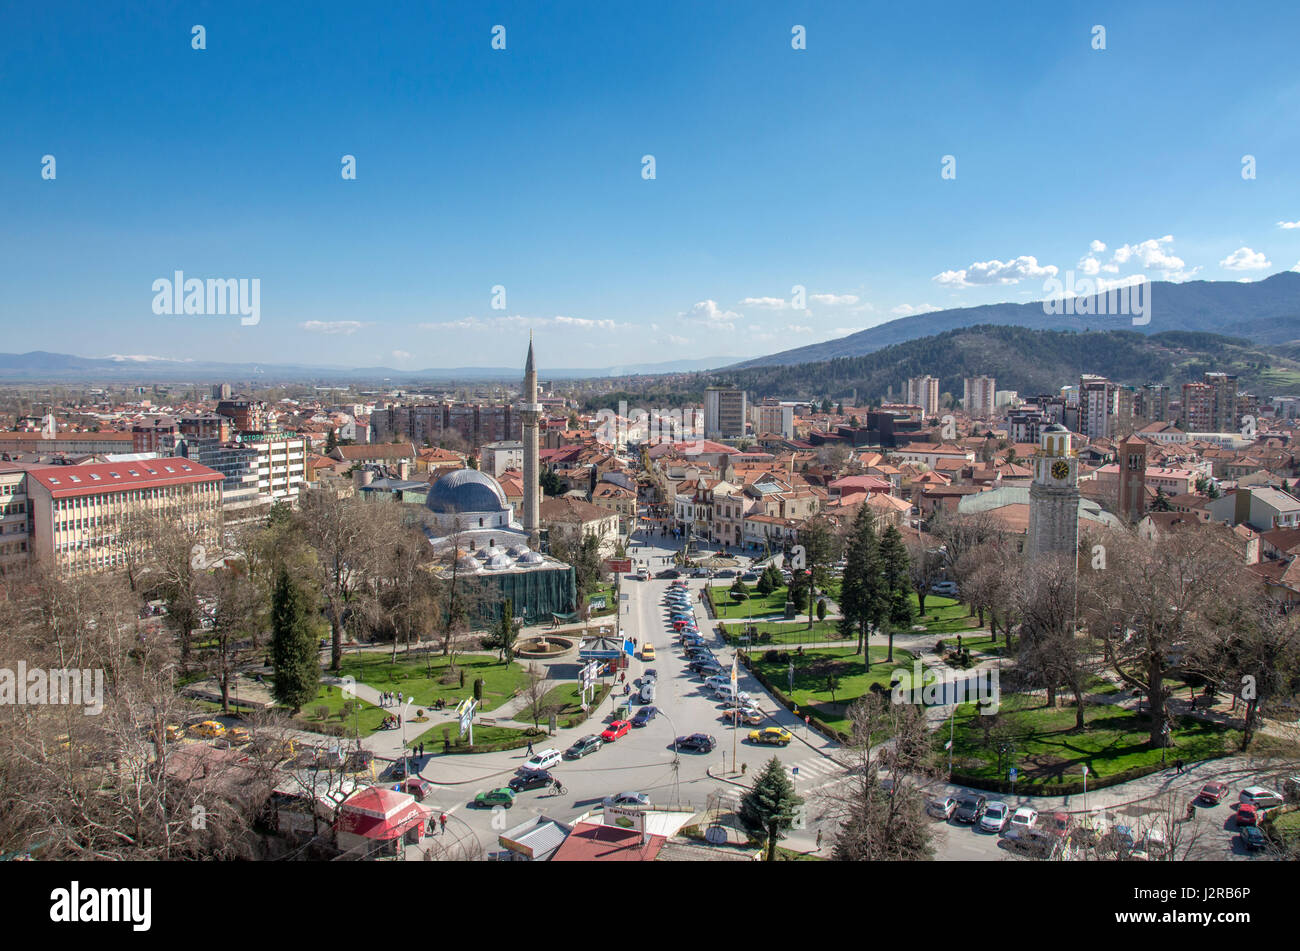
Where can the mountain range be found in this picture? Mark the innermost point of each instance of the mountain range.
(1264, 312)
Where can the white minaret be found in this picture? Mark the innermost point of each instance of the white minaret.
(1054, 496)
(530, 411)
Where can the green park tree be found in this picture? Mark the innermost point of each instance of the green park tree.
(295, 658)
(768, 809)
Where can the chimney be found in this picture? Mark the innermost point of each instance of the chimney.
(404, 469)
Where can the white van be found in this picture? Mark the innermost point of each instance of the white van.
(648, 692)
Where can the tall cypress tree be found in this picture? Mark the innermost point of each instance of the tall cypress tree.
(295, 658)
(896, 584)
(860, 590)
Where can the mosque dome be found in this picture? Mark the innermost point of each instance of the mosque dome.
(466, 490)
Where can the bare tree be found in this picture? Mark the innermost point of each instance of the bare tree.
(879, 817)
(1053, 653)
(925, 567)
(1152, 604)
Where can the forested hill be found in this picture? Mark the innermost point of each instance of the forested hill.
(1029, 361)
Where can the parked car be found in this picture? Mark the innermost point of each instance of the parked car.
(649, 674)
(543, 759)
(643, 573)
(615, 730)
(1259, 796)
(776, 735)
(539, 779)
(696, 743)
(1123, 838)
(647, 694)
(725, 573)
(942, 807)
(749, 577)
(1022, 821)
(705, 668)
(1212, 793)
(717, 680)
(644, 716)
(995, 818)
(669, 573)
(240, 734)
(647, 652)
(208, 729)
(700, 573)
(359, 760)
(583, 746)
(626, 799)
(970, 809)
(750, 716)
(503, 796)
(728, 693)
(1248, 814)
(1058, 824)
(1253, 838)
(946, 588)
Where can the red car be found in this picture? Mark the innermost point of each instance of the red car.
(1059, 824)
(1248, 814)
(1213, 793)
(615, 730)
(419, 788)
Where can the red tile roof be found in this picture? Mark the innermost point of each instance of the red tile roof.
(68, 481)
(592, 842)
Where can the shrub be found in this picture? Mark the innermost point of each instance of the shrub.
(322, 711)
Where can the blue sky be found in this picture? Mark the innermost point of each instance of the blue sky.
(522, 168)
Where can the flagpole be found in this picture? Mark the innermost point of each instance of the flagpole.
(735, 710)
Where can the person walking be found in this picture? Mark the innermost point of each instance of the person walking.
(530, 747)
(819, 840)
(1178, 767)
(442, 820)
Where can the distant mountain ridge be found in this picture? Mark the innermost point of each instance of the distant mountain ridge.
(1030, 361)
(44, 366)
(1264, 312)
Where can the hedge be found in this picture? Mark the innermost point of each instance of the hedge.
(813, 721)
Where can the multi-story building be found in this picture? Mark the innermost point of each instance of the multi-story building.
(15, 520)
(1224, 405)
(724, 412)
(1153, 403)
(923, 391)
(66, 443)
(1098, 406)
(497, 457)
(246, 416)
(431, 423)
(773, 417)
(281, 464)
(77, 510)
(1132, 479)
(979, 396)
(1198, 408)
(236, 463)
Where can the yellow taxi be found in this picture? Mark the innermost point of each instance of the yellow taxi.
(208, 729)
(174, 733)
(773, 734)
(240, 734)
(647, 652)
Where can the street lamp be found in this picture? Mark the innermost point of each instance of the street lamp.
(1085, 788)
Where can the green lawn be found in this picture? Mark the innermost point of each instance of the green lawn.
(944, 616)
(791, 632)
(1049, 750)
(377, 670)
(329, 695)
(1288, 825)
(754, 606)
(811, 670)
(611, 600)
(486, 738)
(568, 697)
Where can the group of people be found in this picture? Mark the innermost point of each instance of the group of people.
(389, 699)
(391, 722)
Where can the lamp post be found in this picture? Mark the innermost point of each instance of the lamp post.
(406, 760)
(1085, 788)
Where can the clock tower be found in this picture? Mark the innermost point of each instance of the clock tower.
(1054, 496)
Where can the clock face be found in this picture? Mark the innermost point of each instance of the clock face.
(1060, 469)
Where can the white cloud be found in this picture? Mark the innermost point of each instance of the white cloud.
(1244, 259)
(767, 303)
(401, 355)
(585, 323)
(1097, 247)
(708, 312)
(1297, 266)
(907, 310)
(997, 272)
(518, 321)
(1288, 225)
(1151, 254)
(346, 327)
(798, 329)
(833, 300)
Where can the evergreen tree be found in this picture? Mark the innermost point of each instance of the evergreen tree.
(896, 584)
(331, 441)
(1161, 502)
(768, 809)
(295, 657)
(861, 592)
(739, 592)
(764, 586)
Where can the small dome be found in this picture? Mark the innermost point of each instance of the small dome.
(466, 490)
(496, 562)
(530, 558)
(517, 551)
(1055, 428)
(469, 563)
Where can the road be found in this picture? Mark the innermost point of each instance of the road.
(643, 760)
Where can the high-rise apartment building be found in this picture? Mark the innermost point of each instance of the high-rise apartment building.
(1224, 408)
(979, 396)
(1153, 403)
(724, 412)
(773, 417)
(1198, 408)
(923, 391)
(431, 423)
(1098, 406)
